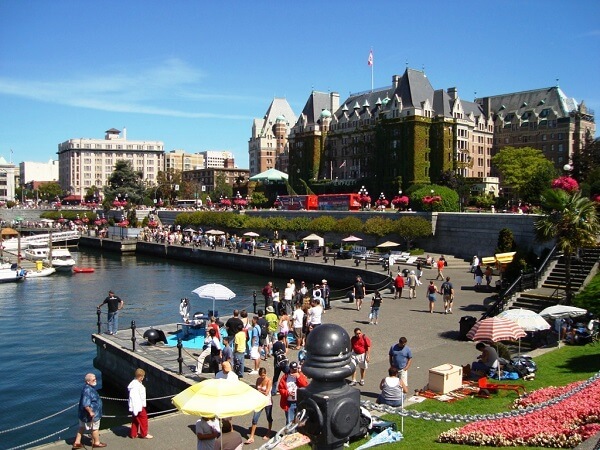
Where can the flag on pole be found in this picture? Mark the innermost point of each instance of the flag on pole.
(343, 164)
(370, 60)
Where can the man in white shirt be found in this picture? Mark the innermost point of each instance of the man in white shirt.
(226, 373)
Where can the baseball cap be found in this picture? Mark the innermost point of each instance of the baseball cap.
(294, 365)
(324, 281)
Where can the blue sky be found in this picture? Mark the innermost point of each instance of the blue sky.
(194, 74)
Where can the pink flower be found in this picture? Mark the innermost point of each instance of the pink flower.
(566, 184)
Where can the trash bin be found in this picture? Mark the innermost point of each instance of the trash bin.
(466, 323)
(39, 266)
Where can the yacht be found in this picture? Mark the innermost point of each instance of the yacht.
(61, 259)
(37, 251)
(10, 273)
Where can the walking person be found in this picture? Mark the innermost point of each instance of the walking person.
(288, 389)
(264, 385)
(361, 353)
(326, 293)
(114, 304)
(412, 284)
(448, 295)
(441, 263)
(239, 350)
(254, 337)
(89, 413)
(375, 305)
(430, 293)
(401, 358)
(137, 406)
(398, 285)
(298, 326)
(359, 291)
(478, 275)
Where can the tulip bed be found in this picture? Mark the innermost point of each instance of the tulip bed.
(564, 424)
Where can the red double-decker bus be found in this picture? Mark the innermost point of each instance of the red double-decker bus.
(298, 202)
(339, 202)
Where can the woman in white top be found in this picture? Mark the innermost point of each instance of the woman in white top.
(263, 385)
(284, 325)
(315, 314)
(184, 310)
(392, 389)
(288, 298)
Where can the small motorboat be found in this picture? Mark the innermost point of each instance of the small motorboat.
(83, 269)
(39, 273)
(11, 273)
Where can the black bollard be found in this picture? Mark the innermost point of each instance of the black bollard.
(332, 406)
(334, 258)
(180, 358)
(99, 313)
(133, 335)
(254, 301)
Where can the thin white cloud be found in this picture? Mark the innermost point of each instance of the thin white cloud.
(143, 92)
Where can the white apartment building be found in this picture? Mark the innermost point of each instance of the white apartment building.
(86, 162)
(30, 171)
(217, 159)
(179, 161)
(7, 181)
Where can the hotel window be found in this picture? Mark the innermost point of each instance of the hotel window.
(108, 146)
(561, 148)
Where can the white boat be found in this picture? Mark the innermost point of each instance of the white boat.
(10, 273)
(56, 238)
(37, 251)
(61, 259)
(43, 272)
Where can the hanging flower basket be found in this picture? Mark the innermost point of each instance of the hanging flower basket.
(400, 201)
(364, 200)
(431, 199)
(567, 184)
(240, 202)
(225, 202)
(382, 202)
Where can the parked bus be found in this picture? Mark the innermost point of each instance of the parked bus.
(297, 202)
(339, 202)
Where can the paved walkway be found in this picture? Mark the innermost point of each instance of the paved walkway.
(433, 339)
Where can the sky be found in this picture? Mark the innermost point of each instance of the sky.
(195, 74)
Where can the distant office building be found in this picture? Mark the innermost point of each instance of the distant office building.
(217, 158)
(179, 161)
(7, 181)
(37, 172)
(87, 162)
(545, 119)
(205, 180)
(390, 138)
(268, 146)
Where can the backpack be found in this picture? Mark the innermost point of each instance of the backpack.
(525, 362)
(282, 361)
(264, 328)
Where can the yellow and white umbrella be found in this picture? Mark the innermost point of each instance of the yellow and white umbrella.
(220, 398)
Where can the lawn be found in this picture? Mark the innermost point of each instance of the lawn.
(555, 368)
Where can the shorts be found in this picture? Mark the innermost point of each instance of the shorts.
(90, 426)
(448, 298)
(431, 297)
(298, 334)
(254, 353)
(360, 360)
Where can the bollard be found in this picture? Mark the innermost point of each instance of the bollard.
(133, 335)
(332, 406)
(325, 259)
(180, 357)
(254, 301)
(334, 258)
(99, 313)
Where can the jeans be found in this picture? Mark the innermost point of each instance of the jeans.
(291, 413)
(113, 322)
(241, 358)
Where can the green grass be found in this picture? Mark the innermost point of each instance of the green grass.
(555, 368)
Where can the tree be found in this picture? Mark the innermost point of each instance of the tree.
(411, 228)
(518, 165)
(573, 221)
(506, 241)
(442, 199)
(221, 187)
(539, 182)
(126, 183)
(259, 199)
(49, 191)
(378, 226)
(586, 159)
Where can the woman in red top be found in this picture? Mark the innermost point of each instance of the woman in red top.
(399, 285)
(215, 325)
(432, 290)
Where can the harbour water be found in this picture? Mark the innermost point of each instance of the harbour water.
(46, 324)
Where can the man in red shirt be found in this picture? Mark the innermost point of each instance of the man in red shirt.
(399, 285)
(361, 352)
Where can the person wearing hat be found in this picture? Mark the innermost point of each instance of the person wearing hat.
(398, 285)
(412, 284)
(325, 291)
(288, 388)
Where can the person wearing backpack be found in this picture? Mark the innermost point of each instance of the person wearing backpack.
(263, 340)
(281, 361)
(255, 333)
(448, 295)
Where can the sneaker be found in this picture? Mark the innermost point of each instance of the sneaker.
(353, 383)
(254, 372)
(450, 311)
(361, 382)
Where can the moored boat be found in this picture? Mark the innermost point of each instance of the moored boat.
(83, 269)
(37, 251)
(61, 259)
(11, 273)
(43, 272)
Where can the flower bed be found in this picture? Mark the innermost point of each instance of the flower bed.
(564, 424)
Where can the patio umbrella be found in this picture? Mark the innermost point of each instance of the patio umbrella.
(251, 234)
(351, 238)
(220, 398)
(189, 230)
(562, 312)
(216, 232)
(494, 329)
(526, 319)
(388, 244)
(214, 291)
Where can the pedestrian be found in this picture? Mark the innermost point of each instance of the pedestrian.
(488, 276)
(375, 305)
(239, 350)
(280, 360)
(254, 337)
(419, 271)
(361, 353)
(440, 268)
(264, 385)
(430, 293)
(226, 373)
(398, 285)
(315, 315)
(401, 358)
(392, 389)
(298, 326)
(288, 298)
(232, 323)
(276, 301)
(89, 412)
(114, 304)
(273, 325)
(227, 351)
(448, 294)
(283, 327)
(326, 293)
(207, 432)
(359, 291)
(478, 275)
(212, 342)
(230, 439)
(184, 310)
(137, 406)
(412, 284)
(267, 293)
(288, 389)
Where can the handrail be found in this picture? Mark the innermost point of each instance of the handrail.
(544, 265)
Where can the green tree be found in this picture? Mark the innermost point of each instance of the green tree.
(349, 224)
(449, 198)
(49, 191)
(573, 221)
(519, 165)
(126, 183)
(586, 160)
(411, 228)
(221, 187)
(506, 241)
(378, 226)
(259, 200)
(322, 224)
(540, 181)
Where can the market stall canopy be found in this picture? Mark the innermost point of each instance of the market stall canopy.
(9, 232)
(270, 175)
(315, 237)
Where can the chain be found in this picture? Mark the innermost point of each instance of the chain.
(39, 440)
(288, 429)
(39, 420)
(126, 399)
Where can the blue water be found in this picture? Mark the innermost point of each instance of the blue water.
(46, 323)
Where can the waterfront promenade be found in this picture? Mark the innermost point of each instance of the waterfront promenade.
(433, 339)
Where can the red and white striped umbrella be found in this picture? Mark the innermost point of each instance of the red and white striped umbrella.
(494, 329)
